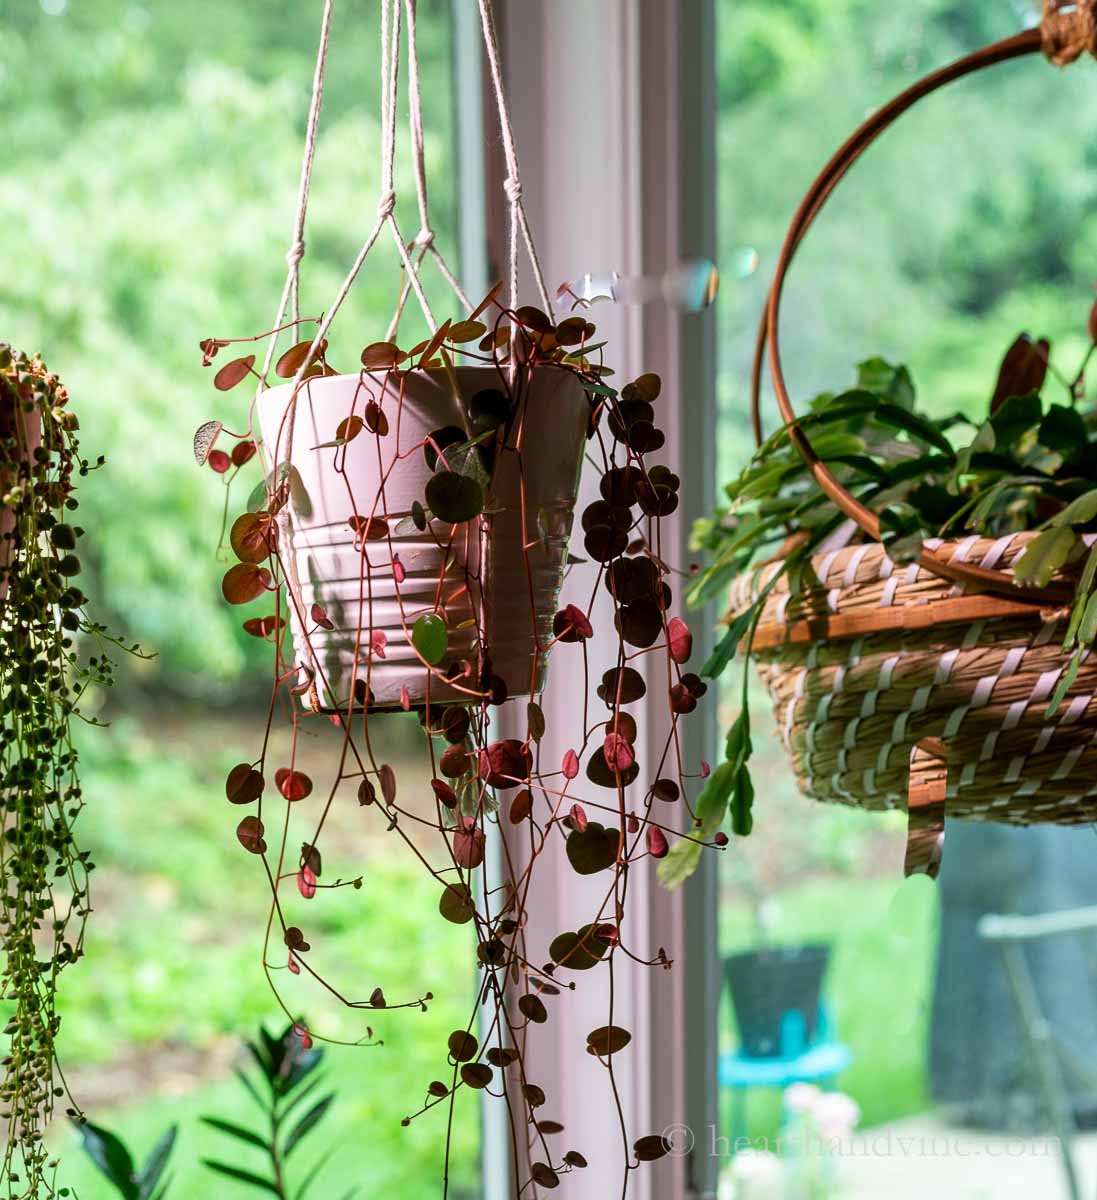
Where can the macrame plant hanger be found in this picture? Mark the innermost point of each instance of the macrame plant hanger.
(277, 460)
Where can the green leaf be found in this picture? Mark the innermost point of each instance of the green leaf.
(877, 375)
(238, 1173)
(682, 859)
(583, 352)
(764, 482)
(580, 950)
(1079, 511)
(468, 459)
(737, 750)
(592, 849)
(918, 468)
(925, 430)
(315, 1170)
(599, 389)
(983, 440)
(742, 801)
(864, 466)
(262, 1061)
(302, 1095)
(1063, 429)
(304, 1063)
(1015, 418)
(257, 500)
(449, 435)
(250, 1088)
(155, 1164)
(1064, 684)
(833, 445)
(1044, 555)
(236, 1131)
(901, 533)
(275, 1051)
(454, 498)
(308, 1122)
(1088, 630)
(1081, 597)
(110, 1155)
(429, 637)
(728, 645)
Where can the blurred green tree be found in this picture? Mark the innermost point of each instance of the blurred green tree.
(971, 219)
(153, 155)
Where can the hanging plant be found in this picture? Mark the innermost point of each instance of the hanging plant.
(419, 570)
(405, 550)
(44, 893)
(919, 594)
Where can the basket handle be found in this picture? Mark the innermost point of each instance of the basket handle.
(1068, 30)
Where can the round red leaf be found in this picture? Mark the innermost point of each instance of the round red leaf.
(232, 372)
(249, 833)
(657, 842)
(292, 784)
(679, 640)
(244, 582)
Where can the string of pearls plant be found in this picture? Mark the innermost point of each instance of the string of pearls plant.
(44, 875)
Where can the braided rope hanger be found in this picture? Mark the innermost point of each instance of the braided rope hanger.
(425, 238)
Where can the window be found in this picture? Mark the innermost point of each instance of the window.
(150, 205)
(970, 221)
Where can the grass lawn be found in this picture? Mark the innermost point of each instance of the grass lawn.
(172, 980)
(878, 986)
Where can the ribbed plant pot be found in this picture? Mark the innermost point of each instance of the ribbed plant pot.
(766, 985)
(26, 428)
(358, 582)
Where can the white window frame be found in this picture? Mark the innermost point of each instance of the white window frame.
(614, 107)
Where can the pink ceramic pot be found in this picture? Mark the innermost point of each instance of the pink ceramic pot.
(355, 582)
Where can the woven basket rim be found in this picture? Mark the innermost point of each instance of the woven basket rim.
(943, 603)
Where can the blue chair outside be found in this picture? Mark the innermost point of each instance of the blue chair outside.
(799, 1061)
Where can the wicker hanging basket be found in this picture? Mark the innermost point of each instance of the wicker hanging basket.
(924, 686)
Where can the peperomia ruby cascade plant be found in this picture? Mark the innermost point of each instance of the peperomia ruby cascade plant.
(417, 567)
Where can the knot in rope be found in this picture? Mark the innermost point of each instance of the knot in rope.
(386, 204)
(1069, 30)
(513, 188)
(424, 238)
(295, 253)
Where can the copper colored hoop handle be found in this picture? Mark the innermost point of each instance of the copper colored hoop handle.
(1046, 38)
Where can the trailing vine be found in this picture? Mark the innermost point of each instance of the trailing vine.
(44, 875)
(634, 802)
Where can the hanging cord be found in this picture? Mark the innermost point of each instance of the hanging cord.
(425, 236)
(1069, 30)
(390, 49)
(424, 240)
(512, 185)
(296, 252)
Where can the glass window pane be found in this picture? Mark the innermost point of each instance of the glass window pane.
(152, 160)
(969, 222)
